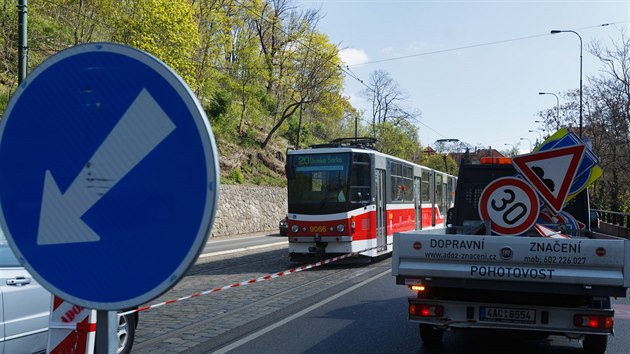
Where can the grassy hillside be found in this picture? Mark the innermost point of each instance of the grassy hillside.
(252, 165)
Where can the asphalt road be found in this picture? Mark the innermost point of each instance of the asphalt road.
(372, 319)
(332, 309)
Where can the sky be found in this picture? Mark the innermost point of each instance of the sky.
(474, 69)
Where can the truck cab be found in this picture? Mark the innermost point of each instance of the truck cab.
(475, 176)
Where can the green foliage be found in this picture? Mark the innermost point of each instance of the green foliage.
(399, 140)
(164, 28)
(235, 177)
(253, 64)
(262, 175)
(441, 162)
(219, 105)
(267, 102)
(291, 132)
(4, 101)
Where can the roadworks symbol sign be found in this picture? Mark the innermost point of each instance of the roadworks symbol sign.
(551, 172)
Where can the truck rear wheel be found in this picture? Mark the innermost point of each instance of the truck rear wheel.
(430, 335)
(595, 344)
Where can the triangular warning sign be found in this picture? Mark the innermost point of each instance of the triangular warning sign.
(551, 172)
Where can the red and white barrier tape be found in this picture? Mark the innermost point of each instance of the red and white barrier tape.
(71, 328)
(251, 281)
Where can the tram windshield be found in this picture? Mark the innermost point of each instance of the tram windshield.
(323, 183)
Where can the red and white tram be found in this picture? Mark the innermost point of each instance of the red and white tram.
(345, 197)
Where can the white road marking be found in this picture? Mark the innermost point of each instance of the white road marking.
(270, 328)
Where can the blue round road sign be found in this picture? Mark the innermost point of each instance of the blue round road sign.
(109, 179)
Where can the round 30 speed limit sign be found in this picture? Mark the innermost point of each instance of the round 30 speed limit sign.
(510, 204)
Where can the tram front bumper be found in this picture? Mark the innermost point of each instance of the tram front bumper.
(311, 239)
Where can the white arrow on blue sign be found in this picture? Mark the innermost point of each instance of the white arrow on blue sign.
(109, 179)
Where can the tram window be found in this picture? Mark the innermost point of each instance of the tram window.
(401, 182)
(451, 191)
(408, 183)
(396, 169)
(426, 187)
(396, 189)
(407, 171)
(360, 179)
(439, 193)
(317, 182)
(317, 178)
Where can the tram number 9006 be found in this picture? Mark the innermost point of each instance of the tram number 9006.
(317, 228)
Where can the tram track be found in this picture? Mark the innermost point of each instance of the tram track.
(220, 318)
(221, 315)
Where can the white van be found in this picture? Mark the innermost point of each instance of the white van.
(25, 310)
(24, 306)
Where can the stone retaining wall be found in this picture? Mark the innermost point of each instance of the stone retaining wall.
(247, 209)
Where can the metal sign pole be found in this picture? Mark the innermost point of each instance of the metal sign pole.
(22, 40)
(106, 336)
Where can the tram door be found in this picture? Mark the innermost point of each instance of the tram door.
(440, 196)
(417, 185)
(381, 212)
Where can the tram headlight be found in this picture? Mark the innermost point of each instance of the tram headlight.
(341, 228)
(295, 228)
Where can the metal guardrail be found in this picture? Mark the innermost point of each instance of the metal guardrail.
(615, 218)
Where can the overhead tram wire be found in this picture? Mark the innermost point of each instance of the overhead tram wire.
(354, 76)
(347, 70)
(478, 45)
(350, 73)
(95, 20)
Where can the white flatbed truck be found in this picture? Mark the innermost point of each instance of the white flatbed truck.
(467, 277)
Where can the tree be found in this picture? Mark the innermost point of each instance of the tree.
(555, 118)
(399, 140)
(310, 75)
(608, 123)
(164, 28)
(87, 19)
(8, 52)
(52, 26)
(387, 100)
(441, 162)
(511, 152)
(279, 28)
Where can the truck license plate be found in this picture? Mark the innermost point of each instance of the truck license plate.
(499, 314)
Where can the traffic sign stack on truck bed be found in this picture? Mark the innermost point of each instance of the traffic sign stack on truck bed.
(473, 275)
